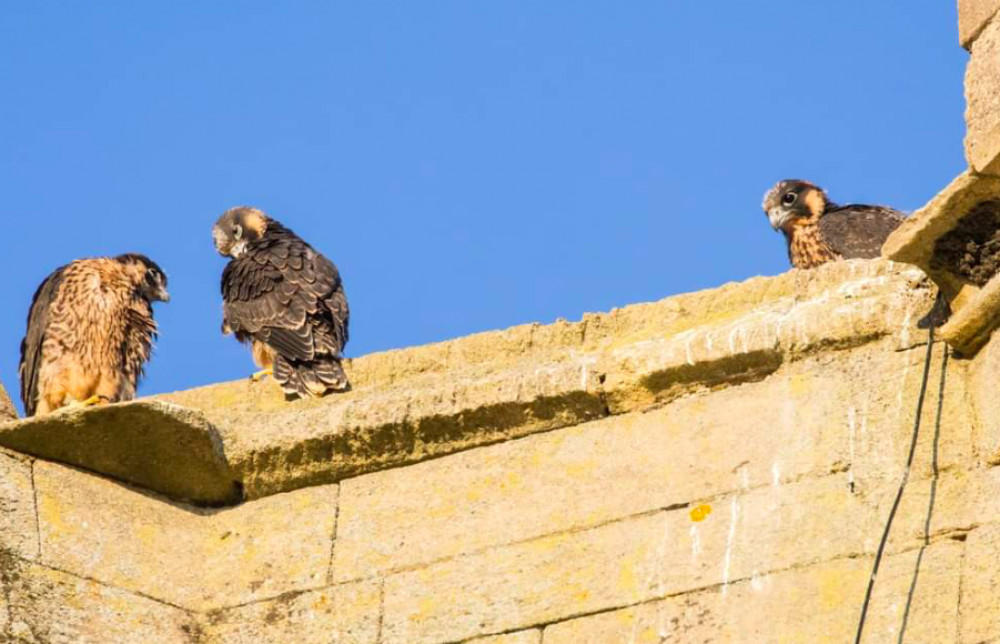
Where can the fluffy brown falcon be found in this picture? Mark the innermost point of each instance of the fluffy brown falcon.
(284, 298)
(819, 231)
(90, 332)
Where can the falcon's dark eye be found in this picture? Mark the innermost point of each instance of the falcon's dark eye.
(789, 198)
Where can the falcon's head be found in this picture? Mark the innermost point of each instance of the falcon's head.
(147, 277)
(792, 202)
(237, 228)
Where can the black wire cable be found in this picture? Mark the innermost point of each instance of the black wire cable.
(902, 486)
(935, 475)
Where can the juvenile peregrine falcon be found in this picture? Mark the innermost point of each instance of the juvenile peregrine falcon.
(90, 332)
(819, 231)
(286, 299)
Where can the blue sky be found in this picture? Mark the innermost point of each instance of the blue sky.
(467, 165)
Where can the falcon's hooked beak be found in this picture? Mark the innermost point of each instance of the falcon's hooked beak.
(162, 295)
(238, 249)
(778, 217)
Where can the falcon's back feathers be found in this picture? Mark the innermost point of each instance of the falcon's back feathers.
(858, 231)
(31, 345)
(282, 293)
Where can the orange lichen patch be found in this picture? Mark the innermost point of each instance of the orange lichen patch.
(701, 512)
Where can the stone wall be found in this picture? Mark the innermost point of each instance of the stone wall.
(979, 31)
(712, 467)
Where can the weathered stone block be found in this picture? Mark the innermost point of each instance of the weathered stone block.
(980, 619)
(880, 418)
(346, 614)
(870, 301)
(818, 604)
(549, 579)
(315, 442)
(18, 526)
(154, 445)
(722, 541)
(7, 409)
(51, 607)
(589, 474)
(195, 558)
(982, 95)
(972, 18)
(849, 412)
(983, 380)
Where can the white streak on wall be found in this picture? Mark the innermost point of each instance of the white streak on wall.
(852, 428)
(734, 515)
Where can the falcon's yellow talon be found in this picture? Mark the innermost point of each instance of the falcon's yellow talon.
(90, 402)
(257, 377)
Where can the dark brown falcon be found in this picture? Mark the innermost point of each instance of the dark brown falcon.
(90, 332)
(286, 299)
(819, 231)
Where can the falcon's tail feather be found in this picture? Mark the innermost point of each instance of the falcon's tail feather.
(311, 379)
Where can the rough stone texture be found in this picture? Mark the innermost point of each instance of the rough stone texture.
(982, 113)
(7, 409)
(45, 606)
(980, 619)
(744, 537)
(972, 18)
(533, 636)
(545, 580)
(154, 445)
(693, 449)
(102, 530)
(983, 382)
(18, 527)
(863, 305)
(347, 614)
(818, 604)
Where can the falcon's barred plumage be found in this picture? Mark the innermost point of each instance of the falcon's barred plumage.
(90, 332)
(819, 231)
(286, 299)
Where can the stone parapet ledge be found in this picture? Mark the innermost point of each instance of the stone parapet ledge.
(224, 443)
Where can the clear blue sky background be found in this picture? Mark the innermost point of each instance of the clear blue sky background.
(468, 165)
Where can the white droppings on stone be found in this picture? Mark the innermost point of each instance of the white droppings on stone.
(904, 333)
(695, 543)
(734, 515)
(852, 428)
